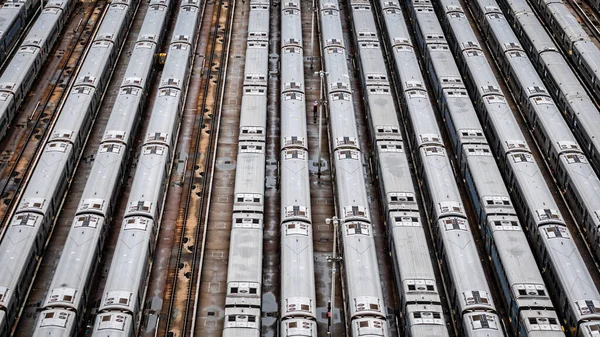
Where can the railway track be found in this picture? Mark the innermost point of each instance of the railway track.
(180, 318)
(588, 16)
(271, 277)
(28, 141)
(211, 282)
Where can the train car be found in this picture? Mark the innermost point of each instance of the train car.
(579, 111)
(568, 34)
(298, 293)
(244, 271)
(295, 200)
(365, 305)
(66, 291)
(126, 283)
(124, 289)
(101, 191)
(253, 127)
(43, 195)
(566, 28)
(291, 107)
(257, 55)
(258, 22)
(249, 194)
(365, 295)
(534, 201)
(563, 85)
(393, 170)
(413, 269)
(298, 286)
(15, 16)
(244, 274)
(22, 70)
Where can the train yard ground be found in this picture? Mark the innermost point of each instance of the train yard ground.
(186, 288)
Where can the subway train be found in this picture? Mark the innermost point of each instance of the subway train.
(571, 289)
(568, 34)
(65, 304)
(580, 185)
(244, 272)
(524, 292)
(29, 59)
(416, 283)
(365, 306)
(15, 16)
(557, 143)
(27, 232)
(468, 290)
(298, 294)
(578, 108)
(125, 289)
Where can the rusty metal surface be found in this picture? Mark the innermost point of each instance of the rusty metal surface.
(198, 138)
(163, 267)
(213, 275)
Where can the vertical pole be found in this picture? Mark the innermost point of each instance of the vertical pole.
(312, 33)
(333, 270)
(321, 101)
(333, 259)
